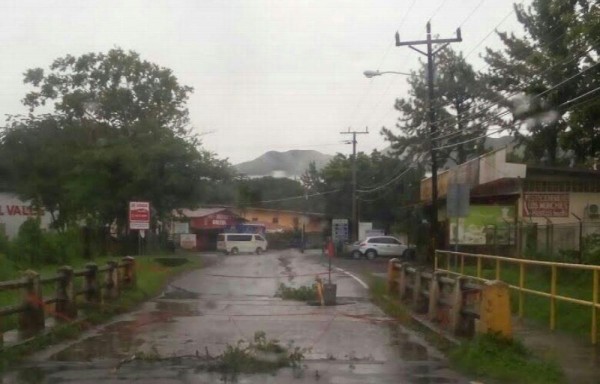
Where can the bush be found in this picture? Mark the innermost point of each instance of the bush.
(591, 245)
(34, 247)
(27, 246)
(62, 247)
(7, 268)
(303, 293)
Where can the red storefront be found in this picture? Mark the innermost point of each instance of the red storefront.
(207, 223)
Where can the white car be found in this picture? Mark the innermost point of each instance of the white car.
(375, 246)
(234, 243)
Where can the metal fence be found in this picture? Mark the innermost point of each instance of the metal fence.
(516, 272)
(571, 242)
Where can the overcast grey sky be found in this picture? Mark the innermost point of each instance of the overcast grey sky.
(267, 74)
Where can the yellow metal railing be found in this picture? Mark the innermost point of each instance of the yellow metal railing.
(455, 264)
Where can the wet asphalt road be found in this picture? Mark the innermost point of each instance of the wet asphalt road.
(205, 310)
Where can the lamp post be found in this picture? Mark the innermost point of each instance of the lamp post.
(371, 74)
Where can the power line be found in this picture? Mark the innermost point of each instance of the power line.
(381, 196)
(490, 33)
(508, 111)
(387, 183)
(300, 196)
(410, 7)
(380, 100)
(471, 14)
(493, 30)
(467, 141)
(381, 61)
(435, 12)
(564, 61)
(492, 104)
(396, 170)
(546, 45)
(579, 97)
(481, 42)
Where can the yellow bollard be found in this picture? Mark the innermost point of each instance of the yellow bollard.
(320, 290)
(494, 309)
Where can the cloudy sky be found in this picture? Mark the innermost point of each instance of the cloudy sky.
(267, 74)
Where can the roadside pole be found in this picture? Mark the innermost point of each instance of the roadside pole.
(430, 53)
(139, 220)
(354, 221)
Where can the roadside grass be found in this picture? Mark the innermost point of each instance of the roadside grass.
(487, 357)
(390, 305)
(152, 276)
(504, 361)
(570, 317)
(303, 293)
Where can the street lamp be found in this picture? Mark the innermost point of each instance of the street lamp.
(370, 74)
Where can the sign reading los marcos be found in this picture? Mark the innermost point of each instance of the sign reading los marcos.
(139, 215)
(546, 204)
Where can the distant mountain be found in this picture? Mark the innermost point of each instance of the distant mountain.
(290, 164)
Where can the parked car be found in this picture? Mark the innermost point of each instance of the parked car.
(380, 246)
(352, 250)
(234, 243)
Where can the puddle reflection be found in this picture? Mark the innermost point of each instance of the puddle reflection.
(117, 341)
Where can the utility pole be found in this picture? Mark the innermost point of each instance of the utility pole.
(434, 233)
(354, 200)
(304, 216)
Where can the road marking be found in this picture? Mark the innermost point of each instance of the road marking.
(365, 286)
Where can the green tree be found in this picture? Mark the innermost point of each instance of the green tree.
(583, 134)
(36, 160)
(387, 188)
(117, 88)
(462, 113)
(118, 132)
(538, 75)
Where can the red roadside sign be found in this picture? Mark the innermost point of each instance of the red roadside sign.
(139, 215)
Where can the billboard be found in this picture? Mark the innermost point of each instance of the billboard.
(139, 215)
(339, 230)
(180, 227)
(187, 241)
(483, 222)
(14, 212)
(546, 204)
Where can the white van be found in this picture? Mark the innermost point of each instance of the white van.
(233, 243)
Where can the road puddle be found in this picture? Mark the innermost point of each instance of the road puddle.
(177, 308)
(177, 293)
(410, 351)
(118, 340)
(409, 346)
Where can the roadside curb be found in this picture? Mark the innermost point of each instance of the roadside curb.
(433, 328)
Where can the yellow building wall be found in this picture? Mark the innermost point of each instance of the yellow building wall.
(287, 221)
